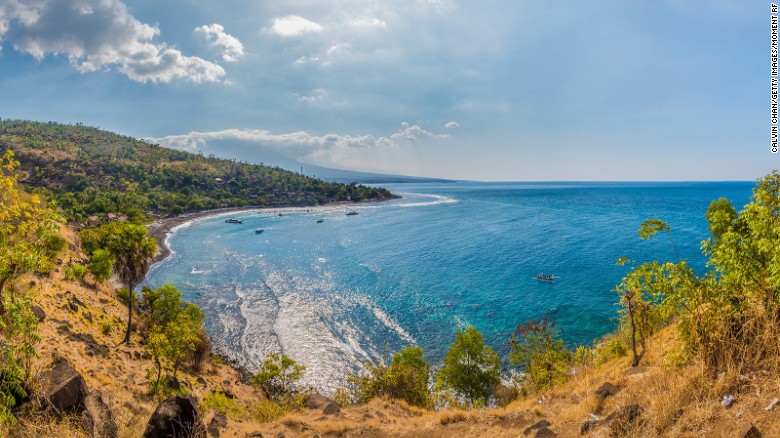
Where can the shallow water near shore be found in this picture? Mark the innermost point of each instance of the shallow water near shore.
(413, 271)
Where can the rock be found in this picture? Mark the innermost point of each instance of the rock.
(622, 419)
(538, 425)
(318, 401)
(176, 416)
(73, 306)
(607, 389)
(39, 313)
(220, 421)
(213, 431)
(587, 426)
(748, 430)
(257, 434)
(97, 417)
(88, 317)
(201, 381)
(102, 301)
(64, 388)
(545, 433)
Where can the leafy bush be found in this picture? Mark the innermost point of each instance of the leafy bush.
(100, 265)
(278, 378)
(266, 411)
(538, 349)
(470, 368)
(406, 378)
(223, 405)
(75, 272)
(123, 294)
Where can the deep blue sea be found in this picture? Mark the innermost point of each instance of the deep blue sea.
(413, 271)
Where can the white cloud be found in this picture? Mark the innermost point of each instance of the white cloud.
(232, 49)
(368, 22)
(293, 25)
(452, 124)
(328, 149)
(97, 34)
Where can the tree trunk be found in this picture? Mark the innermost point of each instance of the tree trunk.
(129, 315)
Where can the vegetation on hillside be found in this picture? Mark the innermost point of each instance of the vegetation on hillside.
(87, 171)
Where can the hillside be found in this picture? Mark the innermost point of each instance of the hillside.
(87, 171)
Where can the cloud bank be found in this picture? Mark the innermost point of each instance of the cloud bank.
(327, 150)
(96, 35)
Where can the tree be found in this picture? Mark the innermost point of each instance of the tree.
(278, 377)
(129, 245)
(101, 265)
(470, 368)
(538, 349)
(406, 378)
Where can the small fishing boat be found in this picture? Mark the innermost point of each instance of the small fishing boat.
(259, 230)
(352, 213)
(234, 221)
(545, 277)
(319, 221)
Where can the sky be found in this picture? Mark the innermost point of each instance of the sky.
(486, 90)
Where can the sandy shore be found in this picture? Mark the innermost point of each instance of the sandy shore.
(162, 227)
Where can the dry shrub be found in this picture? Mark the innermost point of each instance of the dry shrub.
(450, 417)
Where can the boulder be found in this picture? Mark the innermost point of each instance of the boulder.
(257, 434)
(64, 388)
(39, 313)
(545, 433)
(606, 390)
(748, 430)
(176, 416)
(536, 426)
(621, 421)
(97, 418)
(217, 423)
(318, 401)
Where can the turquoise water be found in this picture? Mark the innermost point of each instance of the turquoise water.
(413, 271)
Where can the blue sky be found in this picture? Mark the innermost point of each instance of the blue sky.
(518, 90)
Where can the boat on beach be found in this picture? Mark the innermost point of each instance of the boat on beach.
(234, 221)
(352, 213)
(319, 221)
(259, 230)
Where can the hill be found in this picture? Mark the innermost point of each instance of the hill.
(87, 171)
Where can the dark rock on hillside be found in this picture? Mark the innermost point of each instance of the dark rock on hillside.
(607, 389)
(536, 426)
(217, 423)
(748, 430)
(328, 406)
(176, 416)
(64, 388)
(98, 418)
(39, 313)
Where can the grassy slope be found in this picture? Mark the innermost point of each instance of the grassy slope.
(660, 390)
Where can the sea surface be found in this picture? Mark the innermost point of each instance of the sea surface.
(352, 289)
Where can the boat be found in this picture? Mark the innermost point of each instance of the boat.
(352, 213)
(545, 277)
(234, 221)
(319, 221)
(259, 230)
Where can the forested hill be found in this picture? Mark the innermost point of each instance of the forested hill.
(88, 171)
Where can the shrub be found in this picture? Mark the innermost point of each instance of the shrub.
(266, 411)
(538, 349)
(470, 368)
(100, 265)
(223, 405)
(406, 378)
(75, 272)
(278, 377)
(123, 294)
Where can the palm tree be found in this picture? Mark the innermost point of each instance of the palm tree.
(133, 251)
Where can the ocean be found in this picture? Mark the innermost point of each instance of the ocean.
(446, 256)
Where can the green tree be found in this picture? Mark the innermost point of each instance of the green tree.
(406, 378)
(129, 245)
(538, 349)
(278, 377)
(100, 265)
(470, 368)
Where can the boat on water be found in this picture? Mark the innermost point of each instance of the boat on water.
(319, 221)
(352, 213)
(259, 230)
(545, 277)
(234, 221)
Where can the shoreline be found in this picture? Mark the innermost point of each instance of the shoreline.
(162, 228)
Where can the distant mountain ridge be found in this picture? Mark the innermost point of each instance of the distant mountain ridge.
(87, 171)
